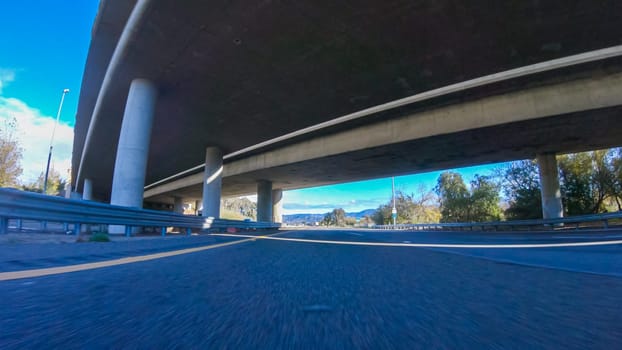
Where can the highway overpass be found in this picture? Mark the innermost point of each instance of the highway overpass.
(272, 96)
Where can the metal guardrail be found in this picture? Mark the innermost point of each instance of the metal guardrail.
(576, 221)
(20, 205)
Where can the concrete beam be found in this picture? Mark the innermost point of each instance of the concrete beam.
(534, 103)
(527, 106)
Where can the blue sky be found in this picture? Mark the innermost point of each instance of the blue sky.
(45, 44)
(43, 50)
(357, 196)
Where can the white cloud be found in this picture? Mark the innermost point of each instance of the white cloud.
(6, 77)
(34, 131)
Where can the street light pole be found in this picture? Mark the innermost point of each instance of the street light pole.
(47, 168)
(394, 211)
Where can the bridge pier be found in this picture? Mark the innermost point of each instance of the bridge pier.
(549, 184)
(264, 201)
(131, 162)
(178, 206)
(87, 190)
(212, 182)
(277, 205)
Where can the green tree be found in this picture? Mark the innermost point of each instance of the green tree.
(350, 221)
(55, 183)
(411, 209)
(10, 155)
(590, 181)
(459, 204)
(453, 197)
(335, 218)
(604, 179)
(580, 194)
(521, 185)
(616, 168)
(483, 204)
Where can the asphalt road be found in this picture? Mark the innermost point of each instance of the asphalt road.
(282, 294)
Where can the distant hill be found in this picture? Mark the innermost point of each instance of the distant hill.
(361, 214)
(301, 219)
(238, 209)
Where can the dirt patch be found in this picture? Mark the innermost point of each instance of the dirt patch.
(48, 238)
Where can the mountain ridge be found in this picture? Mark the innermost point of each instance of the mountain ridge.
(313, 218)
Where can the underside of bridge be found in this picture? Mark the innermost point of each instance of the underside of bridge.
(233, 74)
(568, 133)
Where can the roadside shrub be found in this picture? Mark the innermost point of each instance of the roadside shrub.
(99, 237)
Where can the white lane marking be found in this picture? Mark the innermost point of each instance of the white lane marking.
(430, 245)
(354, 233)
(13, 275)
(585, 237)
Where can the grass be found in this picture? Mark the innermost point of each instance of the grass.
(99, 237)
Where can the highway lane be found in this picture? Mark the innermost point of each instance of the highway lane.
(281, 294)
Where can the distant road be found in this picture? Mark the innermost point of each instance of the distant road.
(278, 294)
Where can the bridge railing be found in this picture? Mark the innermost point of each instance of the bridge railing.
(19, 205)
(580, 221)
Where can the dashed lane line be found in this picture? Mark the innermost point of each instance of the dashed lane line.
(430, 245)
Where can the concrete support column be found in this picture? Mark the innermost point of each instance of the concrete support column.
(197, 205)
(87, 190)
(131, 162)
(264, 201)
(212, 182)
(549, 184)
(277, 206)
(179, 205)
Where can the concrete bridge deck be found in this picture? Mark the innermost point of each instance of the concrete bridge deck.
(232, 75)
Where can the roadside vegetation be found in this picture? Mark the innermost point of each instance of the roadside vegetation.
(10, 164)
(99, 237)
(590, 183)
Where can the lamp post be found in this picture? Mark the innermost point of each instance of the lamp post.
(394, 211)
(47, 168)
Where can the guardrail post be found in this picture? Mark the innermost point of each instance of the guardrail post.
(19, 224)
(605, 224)
(65, 227)
(76, 228)
(4, 225)
(189, 231)
(128, 231)
(163, 231)
(44, 225)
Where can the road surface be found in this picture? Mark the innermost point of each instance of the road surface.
(276, 294)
